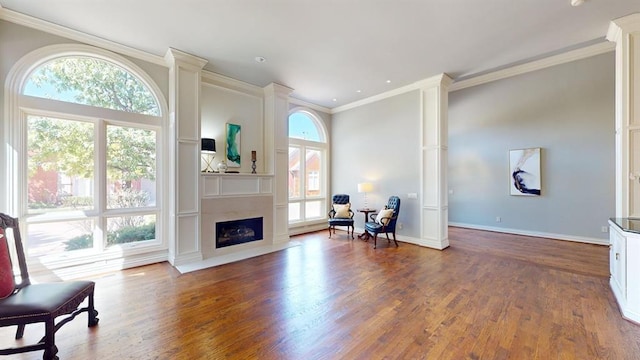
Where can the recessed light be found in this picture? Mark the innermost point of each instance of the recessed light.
(388, 81)
(577, 2)
(334, 100)
(260, 59)
(358, 91)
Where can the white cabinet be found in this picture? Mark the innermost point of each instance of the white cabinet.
(617, 262)
(624, 266)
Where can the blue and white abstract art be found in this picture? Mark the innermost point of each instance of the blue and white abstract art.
(524, 172)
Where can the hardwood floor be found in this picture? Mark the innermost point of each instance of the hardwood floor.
(489, 296)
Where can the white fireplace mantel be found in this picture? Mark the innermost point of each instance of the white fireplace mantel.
(222, 185)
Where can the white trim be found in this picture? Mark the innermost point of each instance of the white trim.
(565, 237)
(569, 56)
(429, 243)
(428, 82)
(309, 105)
(38, 24)
(309, 227)
(224, 82)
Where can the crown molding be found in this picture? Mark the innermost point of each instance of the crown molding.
(437, 80)
(174, 55)
(214, 79)
(38, 24)
(277, 89)
(569, 56)
(626, 24)
(309, 105)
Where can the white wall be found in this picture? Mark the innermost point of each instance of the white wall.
(220, 106)
(568, 111)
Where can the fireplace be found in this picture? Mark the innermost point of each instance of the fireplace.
(236, 232)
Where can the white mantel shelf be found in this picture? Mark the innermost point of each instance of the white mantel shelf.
(221, 185)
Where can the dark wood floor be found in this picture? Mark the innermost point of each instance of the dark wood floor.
(489, 296)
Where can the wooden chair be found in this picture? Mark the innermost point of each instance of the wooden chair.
(35, 303)
(386, 223)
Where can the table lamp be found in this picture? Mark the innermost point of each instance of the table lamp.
(208, 149)
(365, 188)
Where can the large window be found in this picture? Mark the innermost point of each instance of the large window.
(307, 168)
(90, 137)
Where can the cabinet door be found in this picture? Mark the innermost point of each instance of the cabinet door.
(617, 261)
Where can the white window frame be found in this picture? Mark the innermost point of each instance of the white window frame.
(18, 106)
(323, 148)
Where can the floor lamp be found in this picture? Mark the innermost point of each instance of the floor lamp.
(365, 188)
(208, 150)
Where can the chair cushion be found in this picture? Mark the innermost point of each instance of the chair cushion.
(372, 226)
(7, 280)
(38, 300)
(342, 211)
(384, 216)
(341, 222)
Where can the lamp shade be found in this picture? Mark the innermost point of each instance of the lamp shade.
(365, 187)
(208, 145)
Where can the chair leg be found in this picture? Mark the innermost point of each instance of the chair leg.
(50, 349)
(329, 231)
(20, 331)
(375, 237)
(394, 239)
(93, 313)
(353, 229)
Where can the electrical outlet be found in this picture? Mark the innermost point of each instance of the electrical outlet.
(498, 219)
(399, 225)
(604, 229)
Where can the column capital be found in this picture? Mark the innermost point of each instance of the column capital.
(173, 56)
(275, 88)
(441, 80)
(626, 24)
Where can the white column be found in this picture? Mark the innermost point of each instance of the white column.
(276, 141)
(625, 32)
(184, 157)
(433, 180)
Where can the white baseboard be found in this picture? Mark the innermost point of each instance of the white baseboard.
(573, 238)
(430, 243)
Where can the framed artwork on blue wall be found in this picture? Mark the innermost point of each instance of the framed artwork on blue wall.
(524, 172)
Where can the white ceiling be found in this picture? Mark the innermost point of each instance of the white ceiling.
(330, 49)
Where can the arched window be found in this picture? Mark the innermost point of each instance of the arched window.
(307, 168)
(88, 155)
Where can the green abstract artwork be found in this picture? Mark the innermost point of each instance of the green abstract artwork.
(233, 145)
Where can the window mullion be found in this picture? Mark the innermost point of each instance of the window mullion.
(303, 182)
(100, 179)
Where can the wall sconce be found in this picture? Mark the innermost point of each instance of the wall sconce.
(365, 188)
(208, 149)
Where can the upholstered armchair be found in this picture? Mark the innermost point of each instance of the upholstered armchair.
(384, 221)
(23, 303)
(340, 214)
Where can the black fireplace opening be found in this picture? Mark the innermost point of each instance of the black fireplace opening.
(236, 232)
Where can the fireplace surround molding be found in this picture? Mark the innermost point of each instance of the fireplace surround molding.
(228, 197)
